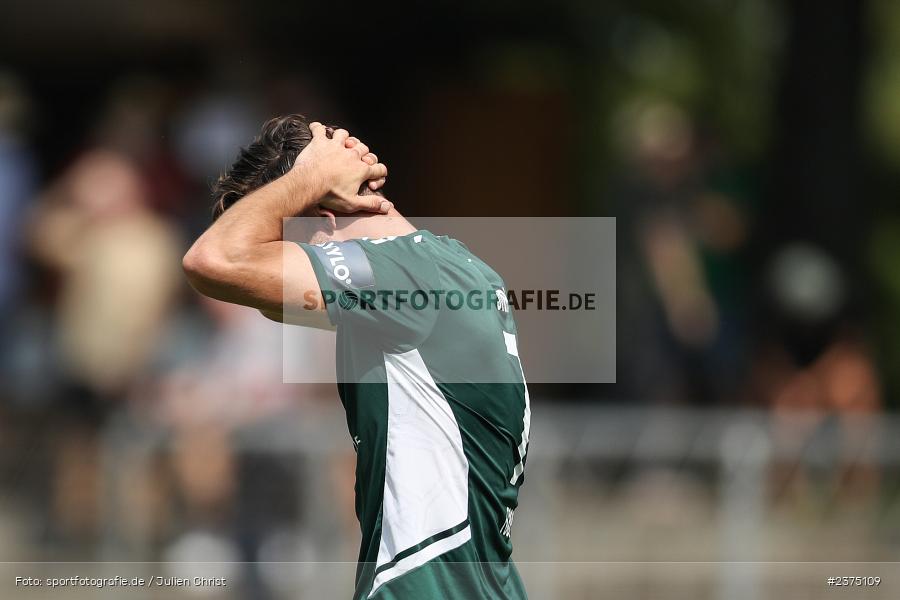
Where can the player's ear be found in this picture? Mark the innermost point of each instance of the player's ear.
(330, 219)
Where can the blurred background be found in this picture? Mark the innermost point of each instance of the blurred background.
(749, 149)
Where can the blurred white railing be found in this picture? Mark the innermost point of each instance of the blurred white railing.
(573, 449)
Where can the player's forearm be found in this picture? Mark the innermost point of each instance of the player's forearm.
(228, 252)
(257, 218)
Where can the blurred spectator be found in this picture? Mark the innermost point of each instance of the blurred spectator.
(17, 183)
(681, 234)
(818, 370)
(117, 263)
(118, 266)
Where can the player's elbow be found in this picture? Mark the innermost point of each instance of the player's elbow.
(204, 265)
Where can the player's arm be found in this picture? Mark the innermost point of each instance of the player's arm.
(242, 257)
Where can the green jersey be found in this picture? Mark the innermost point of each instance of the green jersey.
(438, 411)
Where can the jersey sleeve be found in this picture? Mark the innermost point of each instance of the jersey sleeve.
(380, 287)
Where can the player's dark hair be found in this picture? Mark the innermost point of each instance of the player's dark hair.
(268, 157)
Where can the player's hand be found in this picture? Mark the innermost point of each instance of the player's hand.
(340, 170)
(367, 157)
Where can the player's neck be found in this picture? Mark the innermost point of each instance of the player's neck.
(372, 226)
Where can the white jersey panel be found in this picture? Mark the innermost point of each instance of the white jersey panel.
(426, 471)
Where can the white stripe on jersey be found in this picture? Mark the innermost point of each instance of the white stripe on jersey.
(421, 557)
(513, 348)
(426, 479)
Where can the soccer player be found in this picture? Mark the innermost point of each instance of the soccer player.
(435, 397)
